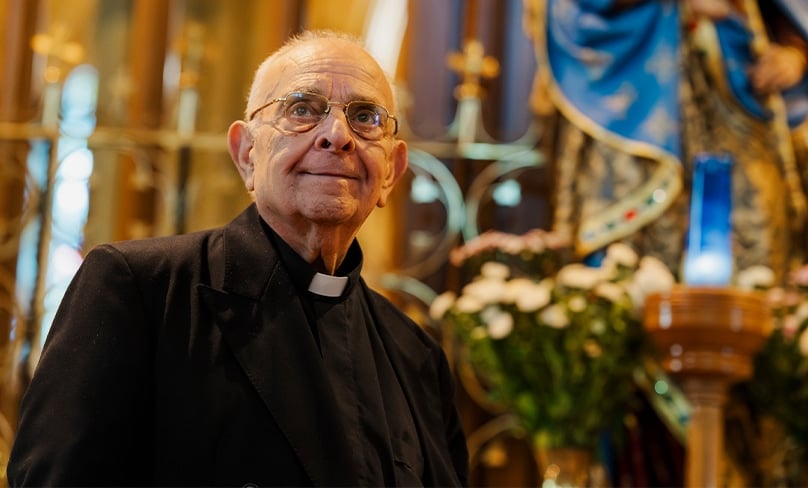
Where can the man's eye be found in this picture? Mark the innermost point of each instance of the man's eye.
(302, 109)
(366, 116)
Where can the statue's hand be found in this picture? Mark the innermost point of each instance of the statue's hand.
(777, 68)
(712, 9)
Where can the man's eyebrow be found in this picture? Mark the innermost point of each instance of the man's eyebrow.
(309, 89)
(353, 96)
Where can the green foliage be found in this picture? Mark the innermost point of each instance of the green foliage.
(779, 386)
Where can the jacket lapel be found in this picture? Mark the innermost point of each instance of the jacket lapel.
(263, 322)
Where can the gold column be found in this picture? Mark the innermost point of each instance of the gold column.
(18, 18)
(137, 195)
(253, 28)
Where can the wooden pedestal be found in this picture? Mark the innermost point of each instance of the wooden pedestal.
(706, 338)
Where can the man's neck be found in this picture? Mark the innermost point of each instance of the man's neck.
(324, 247)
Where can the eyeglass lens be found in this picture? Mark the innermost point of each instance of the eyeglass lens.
(305, 110)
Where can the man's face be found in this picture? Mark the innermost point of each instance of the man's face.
(328, 175)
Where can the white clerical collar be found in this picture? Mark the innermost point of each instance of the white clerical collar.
(327, 285)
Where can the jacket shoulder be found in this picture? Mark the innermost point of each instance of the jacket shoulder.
(162, 252)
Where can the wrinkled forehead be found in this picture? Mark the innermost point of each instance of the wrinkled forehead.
(337, 68)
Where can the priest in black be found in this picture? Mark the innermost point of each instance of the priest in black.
(254, 354)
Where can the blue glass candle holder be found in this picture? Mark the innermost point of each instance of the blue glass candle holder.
(708, 259)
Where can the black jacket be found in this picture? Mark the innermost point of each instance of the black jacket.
(187, 360)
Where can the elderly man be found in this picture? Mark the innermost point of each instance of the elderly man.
(254, 354)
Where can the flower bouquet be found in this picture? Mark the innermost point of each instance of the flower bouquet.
(558, 350)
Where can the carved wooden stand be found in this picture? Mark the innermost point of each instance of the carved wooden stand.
(707, 338)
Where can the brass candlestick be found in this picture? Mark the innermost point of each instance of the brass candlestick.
(707, 338)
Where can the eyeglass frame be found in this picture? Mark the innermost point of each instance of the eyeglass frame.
(327, 111)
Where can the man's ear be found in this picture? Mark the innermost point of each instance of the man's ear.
(239, 144)
(398, 165)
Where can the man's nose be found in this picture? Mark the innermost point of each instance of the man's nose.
(336, 133)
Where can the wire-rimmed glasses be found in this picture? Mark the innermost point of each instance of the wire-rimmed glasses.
(301, 111)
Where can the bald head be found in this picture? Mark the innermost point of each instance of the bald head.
(303, 46)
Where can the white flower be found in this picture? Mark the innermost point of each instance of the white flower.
(499, 324)
(538, 297)
(494, 270)
(579, 276)
(516, 288)
(490, 313)
(468, 304)
(441, 304)
(555, 316)
(610, 291)
(755, 278)
(652, 276)
(609, 271)
(621, 254)
(485, 290)
(804, 343)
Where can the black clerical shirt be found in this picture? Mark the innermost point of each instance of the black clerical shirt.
(375, 412)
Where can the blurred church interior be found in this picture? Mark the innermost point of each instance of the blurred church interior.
(113, 116)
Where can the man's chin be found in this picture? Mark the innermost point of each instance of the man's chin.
(329, 213)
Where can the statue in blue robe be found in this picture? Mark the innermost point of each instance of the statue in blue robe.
(628, 91)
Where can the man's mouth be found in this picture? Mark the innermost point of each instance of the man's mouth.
(329, 174)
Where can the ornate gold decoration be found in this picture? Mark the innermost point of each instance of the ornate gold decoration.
(473, 66)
